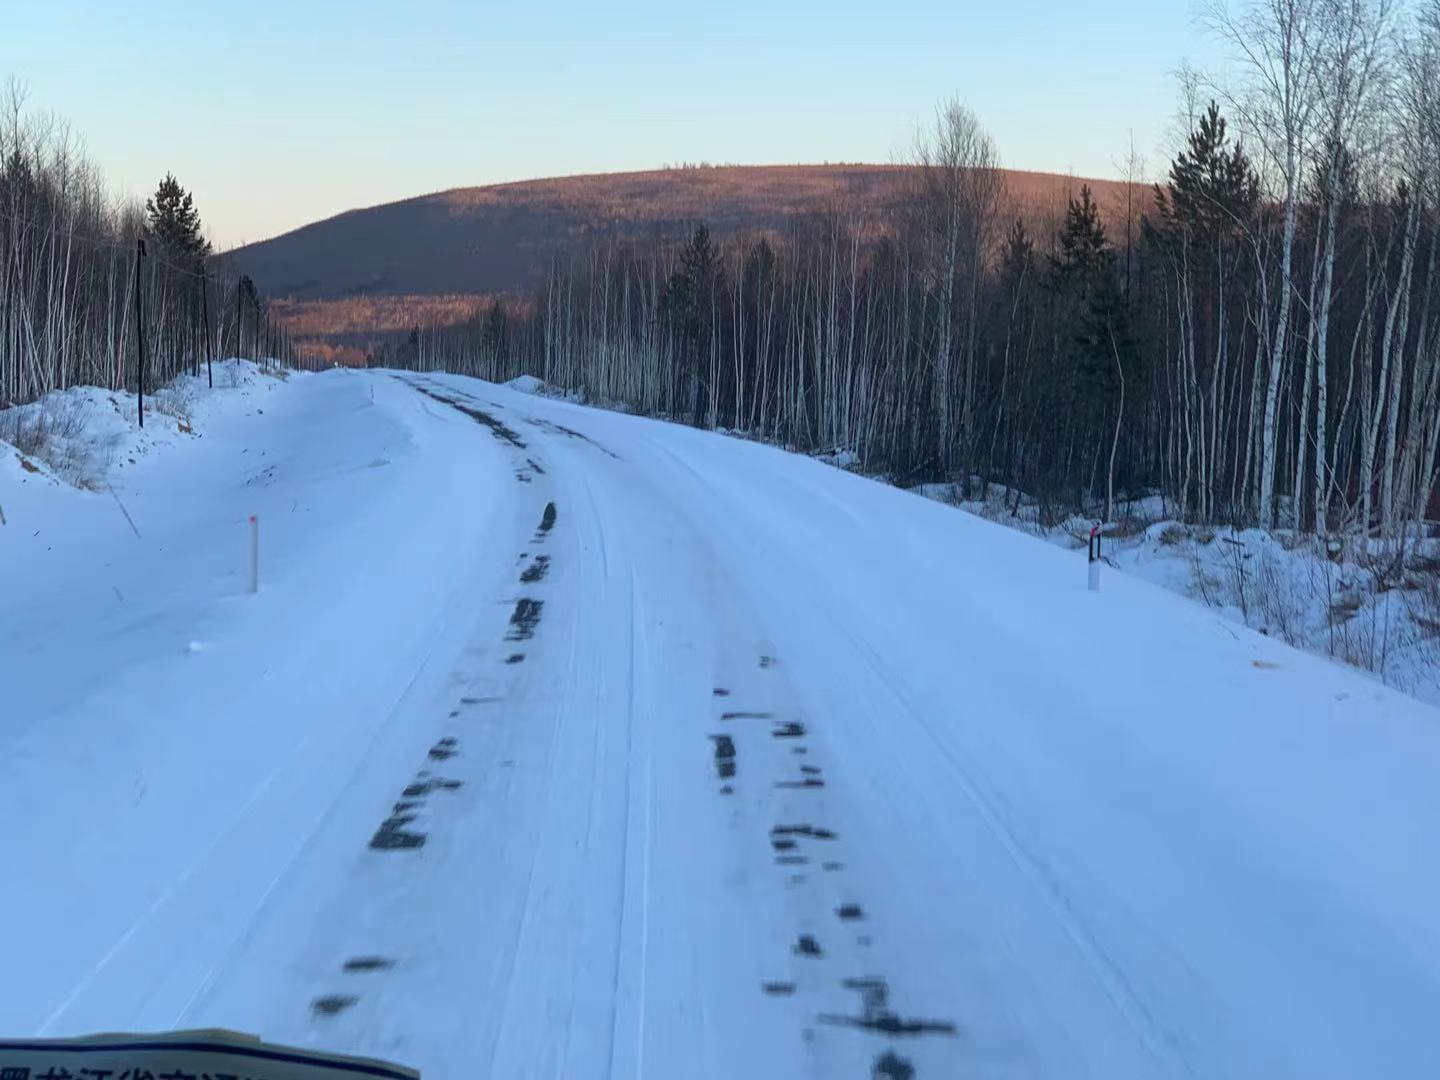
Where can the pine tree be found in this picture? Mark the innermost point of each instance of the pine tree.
(1085, 282)
(689, 305)
(495, 338)
(1212, 192)
(174, 223)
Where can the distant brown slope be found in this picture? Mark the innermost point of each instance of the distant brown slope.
(438, 254)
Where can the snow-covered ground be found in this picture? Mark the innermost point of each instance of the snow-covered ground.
(564, 743)
(1325, 599)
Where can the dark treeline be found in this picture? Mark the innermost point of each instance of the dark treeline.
(68, 275)
(1258, 342)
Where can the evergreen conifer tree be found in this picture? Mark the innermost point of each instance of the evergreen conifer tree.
(174, 223)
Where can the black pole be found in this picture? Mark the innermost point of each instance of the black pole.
(239, 321)
(140, 324)
(205, 307)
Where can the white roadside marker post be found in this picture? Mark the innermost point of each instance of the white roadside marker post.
(1095, 558)
(254, 553)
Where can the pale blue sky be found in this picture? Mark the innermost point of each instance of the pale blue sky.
(276, 114)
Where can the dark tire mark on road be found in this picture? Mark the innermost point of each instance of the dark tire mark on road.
(813, 832)
(889, 1066)
(368, 963)
(332, 1004)
(497, 427)
(877, 1015)
(778, 989)
(724, 756)
(746, 716)
(392, 835)
(524, 619)
(561, 429)
(536, 571)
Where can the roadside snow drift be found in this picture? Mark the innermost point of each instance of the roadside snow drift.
(563, 743)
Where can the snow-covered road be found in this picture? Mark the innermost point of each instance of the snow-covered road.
(561, 743)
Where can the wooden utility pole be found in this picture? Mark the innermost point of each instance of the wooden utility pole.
(140, 323)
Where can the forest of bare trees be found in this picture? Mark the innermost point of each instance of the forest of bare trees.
(1259, 344)
(69, 276)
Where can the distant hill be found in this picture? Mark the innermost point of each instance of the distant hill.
(345, 282)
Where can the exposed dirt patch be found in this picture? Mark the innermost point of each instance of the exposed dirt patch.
(790, 729)
(515, 658)
(778, 989)
(850, 912)
(547, 520)
(806, 945)
(746, 716)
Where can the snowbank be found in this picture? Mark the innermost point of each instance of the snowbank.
(179, 732)
(82, 434)
(1328, 602)
(527, 384)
